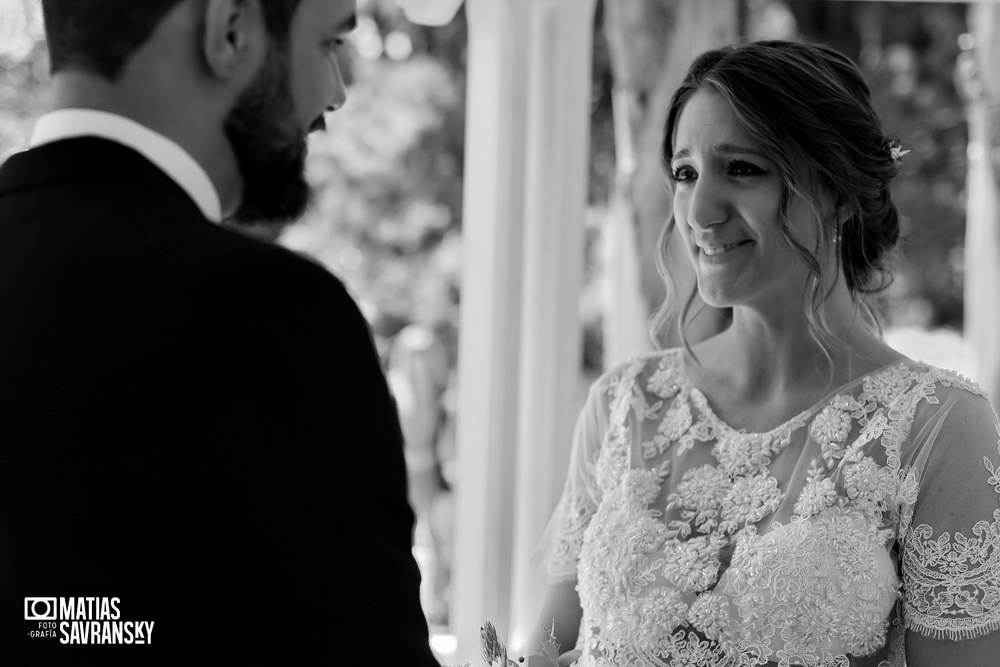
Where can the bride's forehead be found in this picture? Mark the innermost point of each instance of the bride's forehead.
(708, 120)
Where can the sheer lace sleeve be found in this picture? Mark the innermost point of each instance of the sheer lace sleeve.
(951, 551)
(581, 494)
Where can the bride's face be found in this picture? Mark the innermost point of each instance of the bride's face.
(727, 205)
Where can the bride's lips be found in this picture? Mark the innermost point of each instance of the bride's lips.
(717, 252)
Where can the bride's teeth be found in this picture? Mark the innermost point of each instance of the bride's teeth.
(718, 250)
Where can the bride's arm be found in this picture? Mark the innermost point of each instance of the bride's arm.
(951, 553)
(979, 652)
(564, 535)
(560, 612)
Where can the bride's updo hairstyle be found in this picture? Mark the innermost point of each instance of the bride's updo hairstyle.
(809, 109)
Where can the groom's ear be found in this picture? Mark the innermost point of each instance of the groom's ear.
(235, 39)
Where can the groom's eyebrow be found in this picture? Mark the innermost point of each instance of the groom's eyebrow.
(348, 24)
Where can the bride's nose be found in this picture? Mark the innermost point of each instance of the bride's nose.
(707, 204)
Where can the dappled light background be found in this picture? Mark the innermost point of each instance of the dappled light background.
(387, 211)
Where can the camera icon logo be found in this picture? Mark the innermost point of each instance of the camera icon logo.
(40, 609)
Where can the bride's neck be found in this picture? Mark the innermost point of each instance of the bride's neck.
(770, 353)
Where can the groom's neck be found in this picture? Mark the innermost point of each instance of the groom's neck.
(180, 113)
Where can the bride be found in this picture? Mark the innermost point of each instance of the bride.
(792, 491)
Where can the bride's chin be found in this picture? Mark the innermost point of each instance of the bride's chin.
(717, 298)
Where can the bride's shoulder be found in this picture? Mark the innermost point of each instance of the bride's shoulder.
(933, 393)
(656, 371)
(938, 378)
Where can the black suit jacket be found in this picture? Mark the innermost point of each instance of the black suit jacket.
(191, 421)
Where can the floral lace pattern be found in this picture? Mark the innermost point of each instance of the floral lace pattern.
(818, 494)
(706, 545)
(954, 582)
(838, 557)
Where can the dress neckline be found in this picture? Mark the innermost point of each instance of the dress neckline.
(795, 422)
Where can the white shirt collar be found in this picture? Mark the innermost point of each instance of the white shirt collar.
(161, 151)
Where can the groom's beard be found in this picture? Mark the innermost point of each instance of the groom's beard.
(270, 148)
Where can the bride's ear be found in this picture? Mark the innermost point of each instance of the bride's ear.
(234, 41)
(835, 216)
(842, 215)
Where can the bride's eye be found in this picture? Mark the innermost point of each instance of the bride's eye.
(683, 174)
(744, 168)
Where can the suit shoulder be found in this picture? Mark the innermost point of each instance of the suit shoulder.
(239, 246)
(263, 265)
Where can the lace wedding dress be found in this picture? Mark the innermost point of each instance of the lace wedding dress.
(817, 543)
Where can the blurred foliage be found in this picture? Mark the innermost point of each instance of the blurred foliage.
(911, 68)
(908, 52)
(24, 70)
(388, 171)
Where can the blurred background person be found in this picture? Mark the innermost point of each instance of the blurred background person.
(422, 365)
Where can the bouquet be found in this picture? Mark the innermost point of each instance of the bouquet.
(495, 652)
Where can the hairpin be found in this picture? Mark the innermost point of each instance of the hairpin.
(896, 153)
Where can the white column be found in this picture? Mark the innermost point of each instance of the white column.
(982, 232)
(489, 344)
(527, 152)
(556, 166)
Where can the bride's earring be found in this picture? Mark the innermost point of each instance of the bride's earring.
(838, 218)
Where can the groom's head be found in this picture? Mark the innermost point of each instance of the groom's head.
(256, 75)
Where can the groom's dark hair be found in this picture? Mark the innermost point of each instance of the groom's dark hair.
(99, 35)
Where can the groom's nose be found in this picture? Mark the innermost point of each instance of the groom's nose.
(338, 90)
